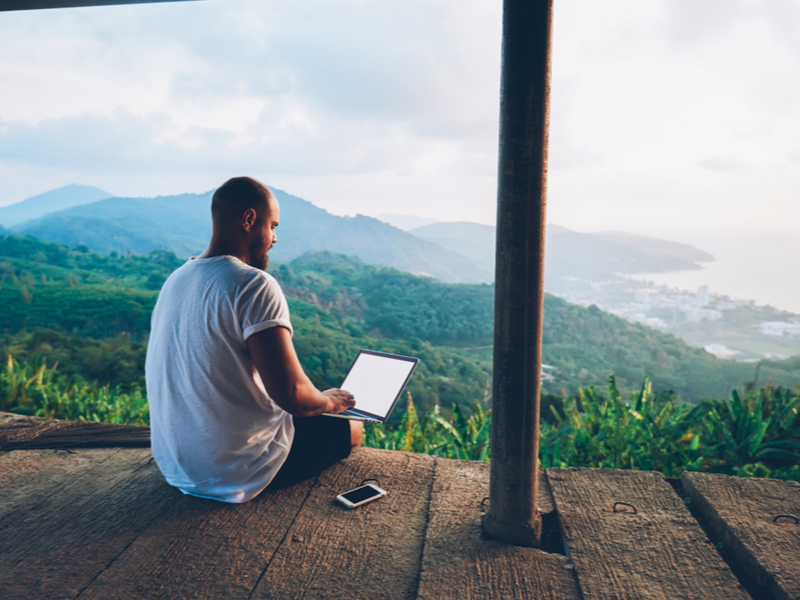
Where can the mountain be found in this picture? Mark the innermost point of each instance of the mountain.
(404, 222)
(459, 252)
(182, 224)
(570, 254)
(473, 240)
(655, 246)
(589, 256)
(37, 206)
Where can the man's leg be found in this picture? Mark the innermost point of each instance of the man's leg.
(356, 433)
(318, 443)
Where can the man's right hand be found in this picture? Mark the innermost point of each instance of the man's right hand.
(273, 355)
(338, 400)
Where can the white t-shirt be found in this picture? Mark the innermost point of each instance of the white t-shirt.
(215, 431)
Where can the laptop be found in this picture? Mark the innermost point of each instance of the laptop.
(376, 379)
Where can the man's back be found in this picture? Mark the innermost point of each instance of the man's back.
(215, 432)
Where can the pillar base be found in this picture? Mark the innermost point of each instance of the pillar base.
(528, 535)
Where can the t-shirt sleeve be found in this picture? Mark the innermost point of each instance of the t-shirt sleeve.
(262, 306)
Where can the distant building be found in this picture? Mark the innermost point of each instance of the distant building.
(702, 296)
(695, 315)
(546, 372)
(780, 328)
(720, 351)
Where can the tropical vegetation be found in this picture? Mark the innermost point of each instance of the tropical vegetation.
(755, 434)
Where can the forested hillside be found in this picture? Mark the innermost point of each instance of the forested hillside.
(585, 345)
(91, 312)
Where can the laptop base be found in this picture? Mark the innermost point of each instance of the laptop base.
(354, 416)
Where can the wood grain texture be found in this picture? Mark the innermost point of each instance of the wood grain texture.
(28, 433)
(742, 511)
(202, 549)
(658, 553)
(459, 564)
(372, 551)
(31, 475)
(74, 516)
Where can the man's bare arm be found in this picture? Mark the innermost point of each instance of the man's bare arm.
(287, 384)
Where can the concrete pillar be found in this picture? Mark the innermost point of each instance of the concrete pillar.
(513, 516)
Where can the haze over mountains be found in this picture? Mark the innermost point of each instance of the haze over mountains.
(182, 224)
(570, 254)
(59, 199)
(451, 252)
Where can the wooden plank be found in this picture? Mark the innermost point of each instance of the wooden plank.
(459, 563)
(372, 551)
(742, 512)
(202, 549)
(74, 517)
(28, 433)
(660, 552)
(31, 474)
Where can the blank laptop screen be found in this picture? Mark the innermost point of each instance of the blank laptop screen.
(376, 381)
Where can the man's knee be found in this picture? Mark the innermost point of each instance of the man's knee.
(356, 433)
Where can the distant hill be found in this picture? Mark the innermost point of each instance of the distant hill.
(473, 240)
(37, 206)
(404, 222)
(459, 252)
(655, 246)
(182, 224)
(570, 254)
(586, 255)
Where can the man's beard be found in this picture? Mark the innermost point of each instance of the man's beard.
(258, 255)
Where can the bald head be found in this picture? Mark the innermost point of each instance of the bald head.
(245, 214)
(237, 195)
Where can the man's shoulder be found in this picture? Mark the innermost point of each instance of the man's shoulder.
(248, 281)
(225, 274)
(253, 276)
(224, 267)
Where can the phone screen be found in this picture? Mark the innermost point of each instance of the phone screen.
(360, 494)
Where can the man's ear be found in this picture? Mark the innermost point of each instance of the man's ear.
(248, 219)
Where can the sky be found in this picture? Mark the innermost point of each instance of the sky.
(673, 118)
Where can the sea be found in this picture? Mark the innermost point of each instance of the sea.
(760, 267)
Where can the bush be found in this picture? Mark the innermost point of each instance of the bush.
(26, 389)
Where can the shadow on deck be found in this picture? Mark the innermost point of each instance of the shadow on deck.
(103, 523)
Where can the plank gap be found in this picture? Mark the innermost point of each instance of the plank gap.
(283, 539)
(740, 512)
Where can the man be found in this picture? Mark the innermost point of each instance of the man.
(231, 409)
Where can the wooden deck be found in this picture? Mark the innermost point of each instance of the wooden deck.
(103, 523)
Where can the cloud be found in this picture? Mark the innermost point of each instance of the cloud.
(658, 107)
(131, 142)
(726, 163)
(313, 89)
(692, 23)
(566, 150)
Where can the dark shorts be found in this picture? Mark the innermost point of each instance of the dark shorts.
(318, 443)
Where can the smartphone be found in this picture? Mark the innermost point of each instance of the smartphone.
(361, 495)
